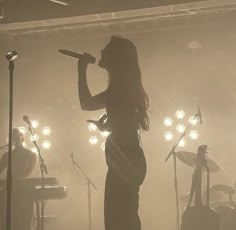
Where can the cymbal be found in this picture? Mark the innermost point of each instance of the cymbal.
(188, 159)
(223, 188)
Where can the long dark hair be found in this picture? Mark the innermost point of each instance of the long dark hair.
(125, 77)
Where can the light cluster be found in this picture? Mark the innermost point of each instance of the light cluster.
(94, 139)
(180, 127)
(41, 137)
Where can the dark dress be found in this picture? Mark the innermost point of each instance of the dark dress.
(126, 167)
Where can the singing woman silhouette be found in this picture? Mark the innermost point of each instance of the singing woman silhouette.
(126, 104)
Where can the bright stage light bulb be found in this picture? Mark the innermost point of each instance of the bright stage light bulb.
(182, 143)
(105, 133)
(180, 128)
(168, 136)
(194, 135)
(93, 140)
(46, 144)
(92, 127)
(168, 121)
(193, 121)
(35, 124)
(46, 131)
(180, 114)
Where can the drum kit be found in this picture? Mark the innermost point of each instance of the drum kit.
(221, 195)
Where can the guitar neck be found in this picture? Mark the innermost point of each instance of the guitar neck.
(198, 187)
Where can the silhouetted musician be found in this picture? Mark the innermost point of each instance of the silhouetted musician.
(23, 163)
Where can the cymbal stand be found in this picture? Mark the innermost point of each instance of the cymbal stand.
(89, 184)
(172, 153)
(43, 170)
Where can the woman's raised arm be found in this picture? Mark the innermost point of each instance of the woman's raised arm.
(87, 101)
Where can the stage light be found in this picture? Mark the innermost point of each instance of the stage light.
(180, 114)
(22, 130)
(34, 150)
(194, 134)
(168, 136)
(180, 128)
(103, 146)
(93, 140)
(46, 131)
(193, 121)
(92, 127)
(35, 124)
(105, 133)
(46, 144)
(182, 143)
(35, 137)
(168, 121)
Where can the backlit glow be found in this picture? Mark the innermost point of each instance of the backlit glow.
(168, 121)
(46, 144)
(105, 133)
(194, 134)
(46, 131)
(34, 150)
(103, 146)
(168, 136)
(180, 114)
(180, 128)
(193, 121)
(35, 124)
(93, 140)
(182, 143)
(22, 130)
(92, 127)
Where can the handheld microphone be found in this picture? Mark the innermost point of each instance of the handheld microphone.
(89, 57)
(200, 114)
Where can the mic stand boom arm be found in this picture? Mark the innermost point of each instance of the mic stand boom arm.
(172, 152)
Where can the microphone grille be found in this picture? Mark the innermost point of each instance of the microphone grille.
(25, 118)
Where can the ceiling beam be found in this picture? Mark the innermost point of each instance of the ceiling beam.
(123, 16)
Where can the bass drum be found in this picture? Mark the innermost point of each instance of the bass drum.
(227, 217)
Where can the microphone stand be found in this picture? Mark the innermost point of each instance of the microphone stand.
(172, 153)
(43, 170)
(9, 168)
(89, 184)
